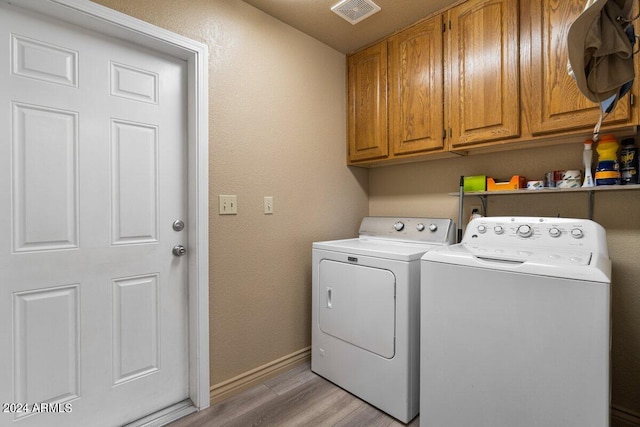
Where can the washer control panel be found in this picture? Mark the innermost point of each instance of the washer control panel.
(527, 232)
(431, 230)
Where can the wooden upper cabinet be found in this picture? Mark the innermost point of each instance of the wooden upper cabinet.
(416, 95)
(557, 104)
(488, 72)
(367, 103)
(484, 72)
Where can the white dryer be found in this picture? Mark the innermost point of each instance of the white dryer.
(515, 326)
(366, 314)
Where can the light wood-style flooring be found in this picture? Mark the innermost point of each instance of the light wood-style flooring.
(297, 397)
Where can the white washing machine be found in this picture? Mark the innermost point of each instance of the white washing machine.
(515, 327)
(366, 314)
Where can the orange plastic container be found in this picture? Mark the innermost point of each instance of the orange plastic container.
(515, 183)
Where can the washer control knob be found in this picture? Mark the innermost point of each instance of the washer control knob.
(399, 226)
(433, 227)
(498, 229)
(577, 233)
(554, 232)
(525, 231)
(420, 227)
(482, 229)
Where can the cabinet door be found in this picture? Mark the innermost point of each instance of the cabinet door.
(416, 95)
(556, 103)
(484, 66)
(368, 103)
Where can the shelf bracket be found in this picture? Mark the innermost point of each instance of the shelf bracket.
(592, 196)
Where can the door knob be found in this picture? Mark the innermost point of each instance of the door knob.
(179, 250)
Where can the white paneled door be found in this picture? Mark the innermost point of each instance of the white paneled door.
(93, 302)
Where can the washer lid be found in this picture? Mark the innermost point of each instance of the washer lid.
(379, 248)
(580, 265)
(530, 255)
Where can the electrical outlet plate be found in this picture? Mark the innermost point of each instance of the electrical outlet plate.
(268, 205)
(469, 210)
(227, 205)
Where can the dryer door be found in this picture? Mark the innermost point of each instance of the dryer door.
(357, 305)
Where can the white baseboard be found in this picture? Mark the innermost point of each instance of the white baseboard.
(165, 416)
(235, 385)
(621, 417)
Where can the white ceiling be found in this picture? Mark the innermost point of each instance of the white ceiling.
(315, 18)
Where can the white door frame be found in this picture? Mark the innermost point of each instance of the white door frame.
(103, 20)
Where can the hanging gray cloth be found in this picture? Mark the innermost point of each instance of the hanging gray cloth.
(600, 48)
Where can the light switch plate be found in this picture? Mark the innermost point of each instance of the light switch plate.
(268, 205)
(227, 205)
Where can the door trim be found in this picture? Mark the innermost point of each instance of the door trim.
(103, 20)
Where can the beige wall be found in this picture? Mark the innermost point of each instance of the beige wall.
(420, 189)
(277, 120)
(278, 126)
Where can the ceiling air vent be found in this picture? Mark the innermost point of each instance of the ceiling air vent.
(355, 11)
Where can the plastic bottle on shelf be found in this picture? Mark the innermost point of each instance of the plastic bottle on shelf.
(587, 159)
(629, 162)
(608, 169)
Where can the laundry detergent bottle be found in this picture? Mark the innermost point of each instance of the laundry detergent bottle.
(587, 158)
(608, 169)
(628, 162)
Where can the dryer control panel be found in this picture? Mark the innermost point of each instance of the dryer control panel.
(531, 232)
(409, 229)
